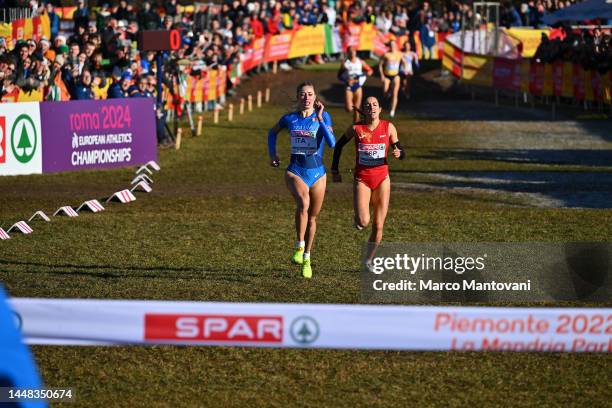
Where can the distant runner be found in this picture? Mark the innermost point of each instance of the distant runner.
(353, 75)
(410, 57)
(389, 69)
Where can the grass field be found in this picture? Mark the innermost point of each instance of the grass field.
(219, 227)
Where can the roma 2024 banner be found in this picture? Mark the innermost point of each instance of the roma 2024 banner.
(62, 136)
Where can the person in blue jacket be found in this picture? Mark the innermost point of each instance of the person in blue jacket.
(310, 127)
(54, 21)
(81, 89)
(120, 88)
(428, 39)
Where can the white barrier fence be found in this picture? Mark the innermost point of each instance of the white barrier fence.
(106, 322)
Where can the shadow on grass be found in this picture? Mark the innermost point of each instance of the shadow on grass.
(547, 189)
(577, 157)
(114, 272)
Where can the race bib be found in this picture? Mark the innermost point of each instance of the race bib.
(303, 142)
(371, 154)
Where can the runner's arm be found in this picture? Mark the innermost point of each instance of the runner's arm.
(380, 66)
(346, 137)
(272, 133)
(368, 69)
(328, 132)
(398, 150)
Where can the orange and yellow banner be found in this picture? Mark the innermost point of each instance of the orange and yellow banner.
(307, 41)
(528, 38)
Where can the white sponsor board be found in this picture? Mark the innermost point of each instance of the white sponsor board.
(79, 321)
(20, 139)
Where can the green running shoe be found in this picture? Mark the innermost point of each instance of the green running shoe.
(298, 256)
(306, 269)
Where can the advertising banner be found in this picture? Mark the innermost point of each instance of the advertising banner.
(578, 77)
(529, 38)
(309, 40)
(21, 142)
(536, 79)
(478, 69)
(506, 73)
(98, 134)
(278, 46)
(557, 77)
(567, 80)
(102, 322)
(259, 46)
(366, 37)
(563, 79)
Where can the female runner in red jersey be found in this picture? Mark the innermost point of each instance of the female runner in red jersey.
(372, 139)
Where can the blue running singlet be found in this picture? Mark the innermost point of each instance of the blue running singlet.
(306, 136)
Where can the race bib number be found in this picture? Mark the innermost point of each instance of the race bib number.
(303, 143)
(372, 154)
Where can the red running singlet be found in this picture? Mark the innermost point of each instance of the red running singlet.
(371, 149)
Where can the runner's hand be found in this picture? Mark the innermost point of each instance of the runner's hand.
(275, 162)
(319, 107)
(397, 152)
(336, 177)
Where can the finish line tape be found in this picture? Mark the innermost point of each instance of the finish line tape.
(106, 322)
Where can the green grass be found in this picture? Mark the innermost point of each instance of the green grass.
(218, 226)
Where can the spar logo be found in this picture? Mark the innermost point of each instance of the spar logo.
(24, 139)
(304, 330)
(213, 328)
(2, 139)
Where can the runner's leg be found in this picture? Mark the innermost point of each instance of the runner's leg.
(361, 204)
(317, 194)
(299, 191)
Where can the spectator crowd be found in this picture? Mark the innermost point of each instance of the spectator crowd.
(100, 58)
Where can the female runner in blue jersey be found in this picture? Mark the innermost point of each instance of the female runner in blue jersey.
(306, 178)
